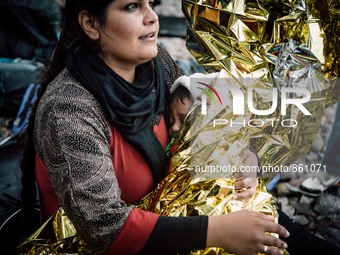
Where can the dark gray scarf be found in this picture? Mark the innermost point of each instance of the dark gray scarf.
(131, 107)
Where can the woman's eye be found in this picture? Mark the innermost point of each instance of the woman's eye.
(131, 7)
(152, 4)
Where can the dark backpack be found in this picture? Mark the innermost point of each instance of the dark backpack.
(15, 77)
(29, 28)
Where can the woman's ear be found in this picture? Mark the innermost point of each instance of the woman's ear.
(89, 24)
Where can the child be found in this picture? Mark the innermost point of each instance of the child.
(182, 98)
(180, 102)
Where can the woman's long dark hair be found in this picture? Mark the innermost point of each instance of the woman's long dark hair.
(71, 37)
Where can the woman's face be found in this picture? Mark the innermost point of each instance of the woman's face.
(129, 35)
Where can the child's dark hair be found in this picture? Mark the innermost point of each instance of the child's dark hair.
(180, 94)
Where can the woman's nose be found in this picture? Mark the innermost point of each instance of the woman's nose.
(151, 17)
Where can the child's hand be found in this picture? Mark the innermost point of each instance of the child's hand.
(247, 182)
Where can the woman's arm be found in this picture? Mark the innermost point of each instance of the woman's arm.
(72, 138)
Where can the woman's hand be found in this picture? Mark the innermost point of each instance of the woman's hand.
(246, 233)
(246, 183)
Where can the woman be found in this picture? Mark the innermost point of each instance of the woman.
(97, 134)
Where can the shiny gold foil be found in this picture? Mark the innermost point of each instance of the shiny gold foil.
(56, 236)
(230, 34)
(282, 43)
(183, 195)
(194, 186)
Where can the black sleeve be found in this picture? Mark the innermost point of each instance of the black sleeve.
(173, 235)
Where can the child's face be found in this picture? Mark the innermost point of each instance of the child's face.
(178, 112)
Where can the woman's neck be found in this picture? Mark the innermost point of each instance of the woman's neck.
(128, 75)
(127, 72)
